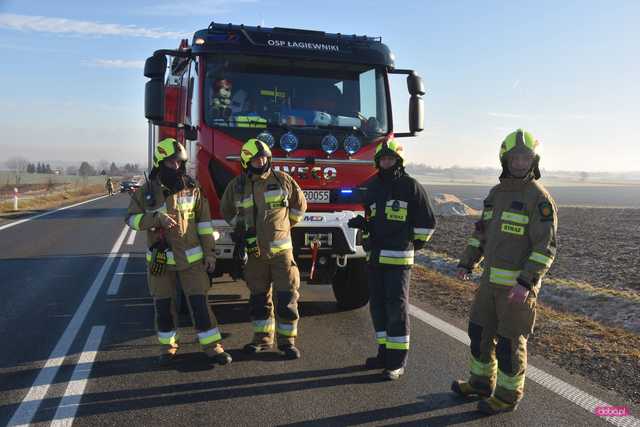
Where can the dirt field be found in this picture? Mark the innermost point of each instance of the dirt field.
(599, 246)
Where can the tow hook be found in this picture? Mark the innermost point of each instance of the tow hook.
(315, 245)
(341, 261)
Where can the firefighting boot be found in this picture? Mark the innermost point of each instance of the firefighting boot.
(377, 362)
(289, 352)
(465, 389)
(262, 341)
(493, 405)
(392, 374)
(167, 354)
(217, 355)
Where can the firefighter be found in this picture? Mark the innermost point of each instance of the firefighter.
(398, 221)
(264, 204)
(173, 210)
(516, 236)
(109, 186)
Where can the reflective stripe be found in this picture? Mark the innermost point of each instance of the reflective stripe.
(273, 196)
(205, 227)
(423, 233)
(185, 203)
(265, 326)
(487, 215)
(134, 221)
(171, 260)
(250, 122)
(280, 245)
(287, 329)
(512, 229)
(207, 337)
(168, 338)
(474, 242)
(246, 202)
(398, 343)
(510, 383)
(381, 337)
(372, 207)
(194, 254)
(396, 257)
(500, 276)
(483, 369)
(396, 215)
(542, 259)
(514, 217)
(295, 214)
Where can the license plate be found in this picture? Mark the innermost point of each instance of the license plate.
(317, 196)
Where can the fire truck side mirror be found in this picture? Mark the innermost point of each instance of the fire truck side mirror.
(154, 68)
(415, 85)
(416, 114)
(416, 103)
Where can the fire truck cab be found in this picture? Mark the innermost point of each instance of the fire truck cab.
(321, 102)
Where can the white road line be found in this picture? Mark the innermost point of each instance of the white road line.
(114, 286)
(68, 406)
(31, 402)
(12, 224)
(132, 237)
(548, 381)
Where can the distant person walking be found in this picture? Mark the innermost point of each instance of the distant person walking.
(109, 186)
(516, 236)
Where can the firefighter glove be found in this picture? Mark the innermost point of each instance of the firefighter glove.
(158, 262)
(358, 222)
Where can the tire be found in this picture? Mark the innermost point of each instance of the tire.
(350, 285)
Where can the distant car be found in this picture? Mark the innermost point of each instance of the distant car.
(129, 186)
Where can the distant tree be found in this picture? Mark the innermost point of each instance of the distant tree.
(102, 165)
(584, 176)
(31, 168)
(72, 170)
(103, 172)
(86, 169)
(47, 169)
(113, 170)
(39, 168)
(17, 164)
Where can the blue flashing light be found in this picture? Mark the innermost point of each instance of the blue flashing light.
(346, 191)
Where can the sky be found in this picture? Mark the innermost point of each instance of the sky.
(569, 72)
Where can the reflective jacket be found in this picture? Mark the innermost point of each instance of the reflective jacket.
(399, 219)
(516, 235)
(270, 203)
(191, 239)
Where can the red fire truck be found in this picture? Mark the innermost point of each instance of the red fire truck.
(321, 102)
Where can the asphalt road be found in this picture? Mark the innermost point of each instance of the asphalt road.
(79, 347)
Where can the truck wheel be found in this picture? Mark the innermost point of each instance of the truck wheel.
(350, 285)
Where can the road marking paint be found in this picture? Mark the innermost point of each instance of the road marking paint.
(548, 381)
(114, 286)
(31, 402)
(11, 224)
(132, 237)
(68, 406)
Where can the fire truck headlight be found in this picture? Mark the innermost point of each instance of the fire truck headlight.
(289, 142)
(199, 41)
(352, 144)
(267, 138)
(329, 144)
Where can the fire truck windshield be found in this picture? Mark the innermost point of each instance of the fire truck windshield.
(264, 92)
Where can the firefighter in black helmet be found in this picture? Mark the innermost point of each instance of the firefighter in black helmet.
(398, 221)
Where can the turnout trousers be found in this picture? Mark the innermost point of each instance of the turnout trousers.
(499, 330)
(389, 305)
(195, 284)
(268, 279)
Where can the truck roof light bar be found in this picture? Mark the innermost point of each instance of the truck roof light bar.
(213, 26)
